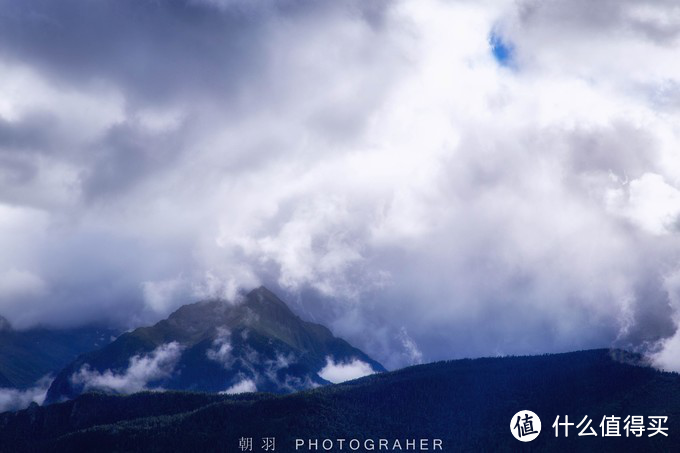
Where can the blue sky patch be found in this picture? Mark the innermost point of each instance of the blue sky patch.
(501, 50)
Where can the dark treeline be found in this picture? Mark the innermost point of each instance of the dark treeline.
(466, 403)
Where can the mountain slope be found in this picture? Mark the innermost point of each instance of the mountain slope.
(466, 403)
(28, 355)
(213, 346)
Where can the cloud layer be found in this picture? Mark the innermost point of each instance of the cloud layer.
(12, 399)
(141, 373)
(377, 164)
(244, 386)
(337, 372)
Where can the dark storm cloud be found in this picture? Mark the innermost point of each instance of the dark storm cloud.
(153, 49)
(160, 50)
(126, 155)
(657, 21)
(624, 149)
(32, 133)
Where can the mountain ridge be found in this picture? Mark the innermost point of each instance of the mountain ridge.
(258, 343)
(28, 355)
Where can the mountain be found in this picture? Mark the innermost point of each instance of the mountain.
(468, 404)
(215, 346)
(28, 355)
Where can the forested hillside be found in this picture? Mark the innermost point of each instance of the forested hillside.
(467, 403)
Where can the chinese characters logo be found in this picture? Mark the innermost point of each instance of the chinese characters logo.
(525, 426)
(611, 425)
(246, 444)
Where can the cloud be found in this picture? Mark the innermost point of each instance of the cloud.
(413, 353)
(375, 164)
(15, 283)
(649, 202)
(666, 352)
(142, 371)
(262, 369)
(221, 351)
(337, 372)
(276, 371)
(243, 386)
(14, 399)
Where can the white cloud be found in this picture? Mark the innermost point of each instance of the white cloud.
(17, 283)
(667, 358)
(141, 371)
(243, 386)
(651, 203)
(27, 90)
(14, 399)
(159, 296)
(221, 351)
(667, 354)
(286, 382)
(337, 372)
(413, 354)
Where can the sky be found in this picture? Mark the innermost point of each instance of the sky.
(431, 179)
